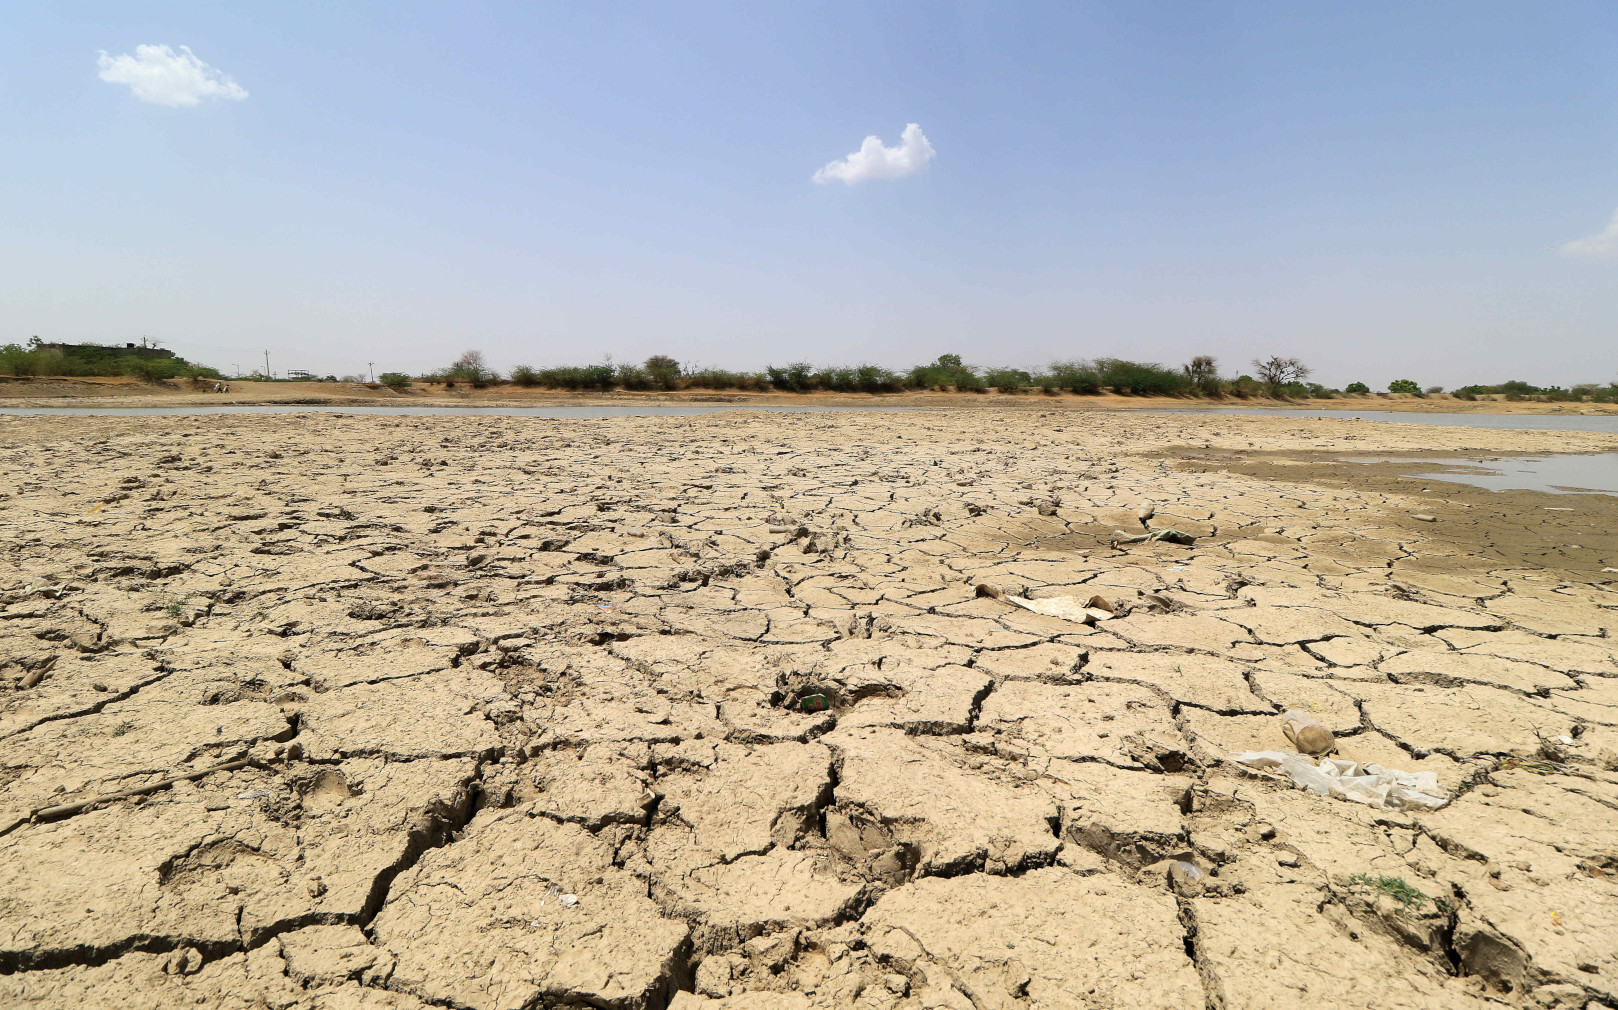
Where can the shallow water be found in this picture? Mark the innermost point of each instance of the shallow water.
(1516, 422)
(1597, 472)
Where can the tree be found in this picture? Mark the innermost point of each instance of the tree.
(662, 370)
(1278, 372)
(949, 361)
(1356, 387)
(1203, 371)
(471, 367)
(1403, 386)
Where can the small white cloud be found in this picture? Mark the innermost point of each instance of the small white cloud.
(159, 75)
(874, 160)
(1603, 246)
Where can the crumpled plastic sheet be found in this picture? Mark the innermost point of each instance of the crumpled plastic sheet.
(1066, 607)
(1368, 783)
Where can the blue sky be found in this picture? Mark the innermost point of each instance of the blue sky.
(1382, 190)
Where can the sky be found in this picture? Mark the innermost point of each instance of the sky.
(1417, 190)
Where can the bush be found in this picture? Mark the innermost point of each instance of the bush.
(794, 378)
(859, 379)
(1203, 375)
(1356, 387)
(471, 367)
(662, 371)
(525, 375)
(946, 373)
(1403, 386)
(1008, 380)
(719, 378)
(575, 377)
(1076, 376)
(1434, 389)
(633, 377)
(1135, 378)
(394, 380)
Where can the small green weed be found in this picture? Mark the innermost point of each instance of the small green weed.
(174, 608)
(122, 728)
(1394, 887)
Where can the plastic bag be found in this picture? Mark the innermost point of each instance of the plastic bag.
(1370, 784)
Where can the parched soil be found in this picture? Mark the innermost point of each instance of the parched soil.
(736, 711)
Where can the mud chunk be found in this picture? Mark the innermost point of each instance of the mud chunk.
(433, 715)
(214, 877)
(1121, 724)
(1272, 940)
(731, 867)
(924, 793)
(482, 923)
(1046, 940)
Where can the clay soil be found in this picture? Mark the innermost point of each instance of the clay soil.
(731, 711)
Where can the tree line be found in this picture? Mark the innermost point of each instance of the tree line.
(1275, 376)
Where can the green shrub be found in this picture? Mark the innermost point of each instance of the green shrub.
(794, 378)
(1403, 386)
(394, 380)
(662, 371)
(576, 377)
(856, 379)
(719, 378)
(1356, 387)
(946, 373)
(1008, 380)
(1202, 374)
(1076, 376)
(1135, 378)
(633, 377)
(525, 375)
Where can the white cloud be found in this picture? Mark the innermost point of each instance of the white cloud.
(1603, 246)
(876, 161)
(159, 75)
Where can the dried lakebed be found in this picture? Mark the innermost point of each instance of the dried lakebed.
(497, 712)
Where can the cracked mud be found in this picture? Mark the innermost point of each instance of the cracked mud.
(731, 712)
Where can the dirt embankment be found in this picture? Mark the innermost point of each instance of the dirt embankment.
(738, 711)
(127, 392)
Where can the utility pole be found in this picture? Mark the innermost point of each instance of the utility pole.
(266, 365)
(237, 372)
(372, 366)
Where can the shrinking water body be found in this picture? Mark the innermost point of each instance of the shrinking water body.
(1512, 422)
(1571, 474)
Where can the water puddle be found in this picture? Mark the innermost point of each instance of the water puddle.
(1513, 422)
(1573, 474)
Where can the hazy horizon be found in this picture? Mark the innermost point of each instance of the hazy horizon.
(1424, 192)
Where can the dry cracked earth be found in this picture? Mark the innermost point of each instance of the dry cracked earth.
(307, 711)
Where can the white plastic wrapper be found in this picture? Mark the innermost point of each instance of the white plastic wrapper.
(1370, 784)
(1066, 607)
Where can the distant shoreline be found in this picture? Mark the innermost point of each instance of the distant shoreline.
(117, 392)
